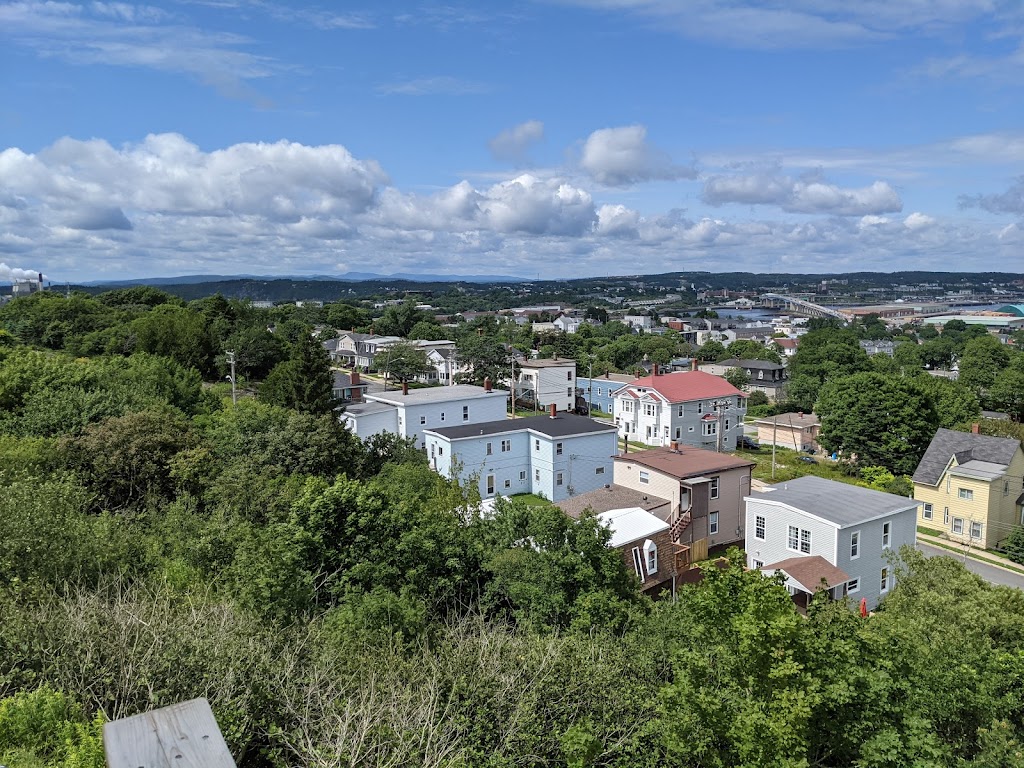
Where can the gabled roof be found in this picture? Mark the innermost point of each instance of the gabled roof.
(765, 365)
(615, 497)
(966, 446)
(343, 380)
(810, 571)
(840, 504)
(683, 386)
(685, 462)
(563, 425)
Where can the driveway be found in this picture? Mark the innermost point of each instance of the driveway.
(989, 573)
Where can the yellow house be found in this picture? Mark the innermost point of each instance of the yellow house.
(971, 487)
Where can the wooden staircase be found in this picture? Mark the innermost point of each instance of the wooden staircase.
(680, 525)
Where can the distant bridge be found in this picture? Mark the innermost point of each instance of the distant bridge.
(802, 307)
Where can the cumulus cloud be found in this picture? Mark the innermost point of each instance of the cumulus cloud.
(801, 195)
(82, 209)
(622, 156)
(511, 145)
(1010, 201)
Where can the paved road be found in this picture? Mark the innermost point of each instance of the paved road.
(987, 572)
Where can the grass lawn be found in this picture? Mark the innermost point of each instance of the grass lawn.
(929, 531)
(788, 466)
(530, 499)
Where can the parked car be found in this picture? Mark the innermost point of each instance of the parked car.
(808, 460)
(747, 443)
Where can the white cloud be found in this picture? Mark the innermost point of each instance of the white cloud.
(512, 144)
(86, 209)
(810, 194)
(125, 35)
(1010, 201)
(917, 221)
(622, 156)
(433, 86)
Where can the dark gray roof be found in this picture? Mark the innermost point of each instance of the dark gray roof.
(765, 365)
(342, 379)
(839, 503)
(562, 425)
(966, 446)
(615, 497)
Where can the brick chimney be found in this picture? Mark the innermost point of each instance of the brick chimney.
(487, 384)
(552, 411)
(607, 375)
(975, 428)
(693, 364)
(357, 393)
(674, 446)
(405, 387)
(654, 369)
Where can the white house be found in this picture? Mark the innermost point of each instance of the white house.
(566, 324)
(815, 530)
(409, 413)
(639, 322)
(552, 456)
(547, 382)
(688, 407)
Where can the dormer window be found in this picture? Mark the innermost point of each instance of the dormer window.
(651, 557)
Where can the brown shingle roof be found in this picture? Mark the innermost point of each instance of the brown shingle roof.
(810, 571)
(615, 497)
(685, 462)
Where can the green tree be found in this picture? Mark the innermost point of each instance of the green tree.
(1007, 390)
(877, 420)
(404, 362)
(427, 330)
(746, 349)
(399, 319)
(711, 351)
(954, 403)
(738, 377)
(178, 333)
(304, 381)
(485, 356)
(983, 359)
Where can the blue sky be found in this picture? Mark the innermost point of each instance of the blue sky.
(549, 138)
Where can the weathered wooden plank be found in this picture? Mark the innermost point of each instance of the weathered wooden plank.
(182, 735)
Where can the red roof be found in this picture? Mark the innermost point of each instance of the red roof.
(786, 343)
(685, 386)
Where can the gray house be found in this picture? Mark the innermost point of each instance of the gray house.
(828, 535)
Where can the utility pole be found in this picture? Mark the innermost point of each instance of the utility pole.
(234, 389)
(775, 428)
(512, 357)
(590, 390)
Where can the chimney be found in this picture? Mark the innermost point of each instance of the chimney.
(405, 387)
(552, 410)
(654, 369)
(625, 445)
(800, 414)
(487, 383)
(607, 375)
(975, 428)
(693, 364)
(357, 393)
(674, 446)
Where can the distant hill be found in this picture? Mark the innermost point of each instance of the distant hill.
(346, 277)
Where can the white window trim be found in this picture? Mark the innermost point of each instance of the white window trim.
(712, 523)
(953, 526)
(763, 527)
(884, 580)
(855, 537)
(650, 557)
(853, 585)
(645, 477)
(886, 535)
(927, 512)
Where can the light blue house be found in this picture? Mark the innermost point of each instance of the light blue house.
(554, 457)
(599, 392)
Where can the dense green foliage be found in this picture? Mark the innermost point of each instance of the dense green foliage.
(340, 604)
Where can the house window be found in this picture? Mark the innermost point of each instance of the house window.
(727, 423)
(945, 515)
(958, 525)
(1006, 487)
(805, 541)
(423, 419)
(508, 484)
(710, 428)
(645, 477)
(599, 392)
(712, 524)
(558, 449)
(489, 451)
(714, 487)
(506, 446)
(853, 585)
(490, 485)
(759, 527)
(536, 444)
(883, 587)
(975, 530)
(465, 413)
(558, 478)
(522, 475)
(648, 409)
(651, 557)
(793, 539)
(947, 483)
(758, 563)
(700, 406)
(568, 375)
(966, 494)
(679, 432)
(666, 432)
(886, 535)
(679, 411)
(442, 415)
(855, 545)
(568, 391)
(536, 475)
(926, 513)
(440, 451)
(599, 471)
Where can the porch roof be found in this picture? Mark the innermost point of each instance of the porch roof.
(809, 571)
